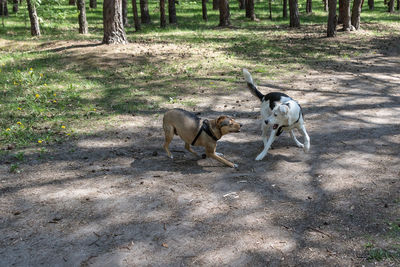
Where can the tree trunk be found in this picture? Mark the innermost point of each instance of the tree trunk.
(341, 12)
(250, 9)
(270, 9)
(125, 13)
(3, 8)
(391, 6)
(171, 11)
(285, 8)
(242, 4)
(224, 14)
(163, 21)
(72, 2)
(136, 20)
(15, 6)
(144, 12)
(114, 32)
(294, 14)
(371, 4)
(398, 5)
(331, 32)
(346, 15)
(35, 29)
(204, 9)
(309, 6)
(325, 5)
(355, 14)
(93, 4)
(83, 25)
(216, 4)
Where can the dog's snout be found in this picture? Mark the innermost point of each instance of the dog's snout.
(266, 121)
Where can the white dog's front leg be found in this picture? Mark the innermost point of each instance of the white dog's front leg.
(306, 138)
(295, 139)
(267, 144)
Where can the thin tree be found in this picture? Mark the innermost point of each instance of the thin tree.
(309, 6)
(72, 2)
(93, 3)
(325, 5)
(136, 20)
(204, 9)
(250, 9)
(163, 21)
(3, 9)
(224, 14)
(391, 6)
(356, 13)
(114, 32)
(125, 13)
(83, 25)
(242, 4)
(270, 9)
(294, 14)
(35, 29)
(398, 5)
(371, 4)
(346, 16)
(332, 19)
(15, 6)
(172, 12)
(284, 8)
(216, 4)
(144, 12)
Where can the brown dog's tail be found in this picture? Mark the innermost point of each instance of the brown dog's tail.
(250, 84)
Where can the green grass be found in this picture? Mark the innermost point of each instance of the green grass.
(50, 95)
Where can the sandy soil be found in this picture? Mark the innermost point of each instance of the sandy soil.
(117, 200)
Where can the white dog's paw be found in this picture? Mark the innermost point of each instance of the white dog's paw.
(219, 154)
(235, 166)
(260, 157)
(306, 148)
(171, 157)
(300, 145)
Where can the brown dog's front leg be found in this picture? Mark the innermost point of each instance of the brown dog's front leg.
(210, 152)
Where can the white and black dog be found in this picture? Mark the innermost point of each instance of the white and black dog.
(280, 113)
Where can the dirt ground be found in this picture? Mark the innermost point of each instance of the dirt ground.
(116, 199)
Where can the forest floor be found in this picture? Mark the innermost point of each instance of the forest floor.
(114, 199)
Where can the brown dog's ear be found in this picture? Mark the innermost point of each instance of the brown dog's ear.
(220, 120)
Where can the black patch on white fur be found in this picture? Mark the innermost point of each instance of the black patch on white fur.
(254, 91)
(272, 98)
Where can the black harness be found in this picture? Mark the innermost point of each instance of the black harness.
(280, 130)
(206, 128)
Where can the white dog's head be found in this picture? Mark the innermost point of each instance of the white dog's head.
(284, 114)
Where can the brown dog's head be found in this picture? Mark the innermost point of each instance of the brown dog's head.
(228, 125)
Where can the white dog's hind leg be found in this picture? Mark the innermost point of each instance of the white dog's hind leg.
(295, 139)
(303, 131)
(267, 144)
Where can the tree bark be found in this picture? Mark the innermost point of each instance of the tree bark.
(72, 2)
(15, 6)
(294, 14)
(284, 8)
(309, 6)
(356, 13)
(35, 29)
(242, 4)
(3, 8)
(331, 32)
(224, 14)
(144, 12)
(83, 25)
(270, 9)
(93, 4)
(114, 32)
(163, 21)
(341, 12)
(371, 4)
(346, 15)
(204, 9)
(250, 9)
(125, 13)
(398, 5)
(216, 4)
(136, 20)
(172, 12)
(391, 6)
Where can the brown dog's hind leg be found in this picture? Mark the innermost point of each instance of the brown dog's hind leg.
(210, 152)
(169, 134)
(187, 146)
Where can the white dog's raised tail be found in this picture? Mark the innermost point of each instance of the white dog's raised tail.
(250, 84)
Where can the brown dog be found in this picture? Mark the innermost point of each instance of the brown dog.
(196, 132)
